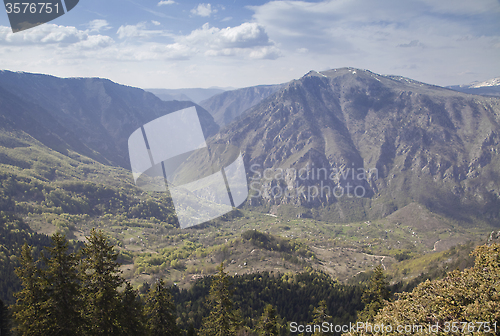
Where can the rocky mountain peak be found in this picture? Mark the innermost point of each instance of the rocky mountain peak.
(425, 143)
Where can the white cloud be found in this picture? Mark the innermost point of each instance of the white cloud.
(98, 25)
(44, 34)
(151, 52)
(246, 35)
(441, 42)
(411, 44)
(166, 2)
(265, 53)
(463, 7)
(247, 41)
(94, 42)
(420, 37)
(204, 10)
(253, 53)
(139, 31)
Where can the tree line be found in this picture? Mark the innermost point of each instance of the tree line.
(67, 291)
(461, 303)
(13, 234)
(83, 293)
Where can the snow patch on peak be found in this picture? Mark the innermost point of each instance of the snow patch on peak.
(489, 82)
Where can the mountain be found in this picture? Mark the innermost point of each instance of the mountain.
(195, 95)
(392, 139)
(486, 88)
(91, 116)
(228, 105)
(431, 153)
(169, 95)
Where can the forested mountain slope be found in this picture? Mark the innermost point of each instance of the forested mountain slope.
(91, 116)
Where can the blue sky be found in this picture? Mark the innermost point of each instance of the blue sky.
(234, 43)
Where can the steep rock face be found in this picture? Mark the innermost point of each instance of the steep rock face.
(415, 142)
(229, 105)
(92, 116)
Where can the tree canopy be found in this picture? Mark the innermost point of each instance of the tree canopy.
(462, 302)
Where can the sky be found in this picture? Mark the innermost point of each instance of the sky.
(234, 43)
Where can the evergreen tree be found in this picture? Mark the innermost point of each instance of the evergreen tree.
(191, 331)
(375, 296)
(61, 288)
(100, 282)
(461, 298)
(222, 320)
(28, 310)
(268, 323)
(4, 329)
(160, 311)
(320, 315)
(132, 313)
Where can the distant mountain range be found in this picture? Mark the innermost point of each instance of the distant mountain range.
(229, 105)
(486, 88)
(92, 116)
(195, 95)
(417, 142)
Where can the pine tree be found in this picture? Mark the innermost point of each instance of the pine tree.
(222, 320)
(61, 287)
(375, 296)
(4, 329)
(132, 313)
(191, 331)
(320, 316)
(268, 323)
(461, 297)
(160, 311)
(28, 311)
(100, 282)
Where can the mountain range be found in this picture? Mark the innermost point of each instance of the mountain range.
(489, 87)
(427, 144)
(226, 106)
(430, 155)
(91, 116)
(196, 95)
(413, 142)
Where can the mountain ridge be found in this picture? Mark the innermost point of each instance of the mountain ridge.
(350, 117)
(97, 114)
(490, 87)
(229, 105)
(427, 144)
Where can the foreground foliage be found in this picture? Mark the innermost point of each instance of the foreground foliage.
(81, 292)
(13, 234)
(464, 302)
(222, 320)
(68, 293)
(160, 311)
